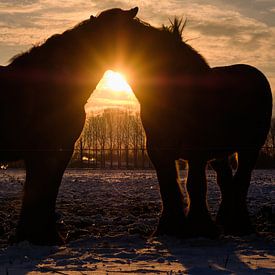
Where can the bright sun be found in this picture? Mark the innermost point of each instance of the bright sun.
(116, 82)
(112, 91)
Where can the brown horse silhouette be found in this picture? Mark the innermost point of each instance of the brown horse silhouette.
(188, 110)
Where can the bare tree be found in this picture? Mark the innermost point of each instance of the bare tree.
(113, 136)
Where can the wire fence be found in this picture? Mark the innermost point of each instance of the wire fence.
(123, 158)
(131, 158)
(115, 158)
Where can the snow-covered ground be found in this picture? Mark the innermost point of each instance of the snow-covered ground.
(110, 214)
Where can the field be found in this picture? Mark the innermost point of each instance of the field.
(109, 216)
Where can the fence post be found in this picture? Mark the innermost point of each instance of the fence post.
(81, 152)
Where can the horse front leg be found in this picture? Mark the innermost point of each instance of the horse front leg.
(200, 222)
(44, 171)
(172, 220)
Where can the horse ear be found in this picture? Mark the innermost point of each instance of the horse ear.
(132, 12)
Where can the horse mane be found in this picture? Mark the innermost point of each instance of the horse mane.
(173, 32)
(54, 40)
(176, 27)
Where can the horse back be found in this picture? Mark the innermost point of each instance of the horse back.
(242, 102)
(245, 87)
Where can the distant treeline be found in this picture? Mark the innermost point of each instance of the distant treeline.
(115, 138)
(267, 154)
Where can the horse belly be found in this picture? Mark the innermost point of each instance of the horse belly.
(10, 155)
(231, 114)
(15, 132)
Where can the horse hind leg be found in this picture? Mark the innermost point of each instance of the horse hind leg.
(224, 173)
(234, 214)
(200, 222)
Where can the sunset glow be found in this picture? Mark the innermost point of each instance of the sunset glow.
(224, 32)
(116, 82)
(112, 91)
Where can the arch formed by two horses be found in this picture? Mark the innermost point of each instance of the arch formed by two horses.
(188, 111)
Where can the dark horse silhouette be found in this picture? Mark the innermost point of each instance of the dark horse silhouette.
(188, 110)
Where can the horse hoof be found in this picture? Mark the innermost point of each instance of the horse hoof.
(171, 226)
(175, 231)
(238, 229)
(49, 237)
(238, 225)
(203, 227)
(210, 232)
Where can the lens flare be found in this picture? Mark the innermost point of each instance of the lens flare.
(116, 82)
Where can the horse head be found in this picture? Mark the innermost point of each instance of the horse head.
(116, 37)
(118, 14)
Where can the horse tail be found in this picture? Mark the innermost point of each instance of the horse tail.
(264, 88)
(2, 70)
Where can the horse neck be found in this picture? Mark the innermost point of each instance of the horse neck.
(69, 75)
(179, 74)
(75, 68)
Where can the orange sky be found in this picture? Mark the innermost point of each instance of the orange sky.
(224, 32)
(112, 91)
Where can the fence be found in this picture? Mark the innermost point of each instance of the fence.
(115, 158)
(132, 159)
(123, 158)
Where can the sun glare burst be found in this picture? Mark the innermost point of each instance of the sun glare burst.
(116, 82)
(112, 91)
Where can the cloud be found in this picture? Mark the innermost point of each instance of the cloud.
(225, 32)
(21, 3)
(226, 35)
(236, 31)
(257, 9)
